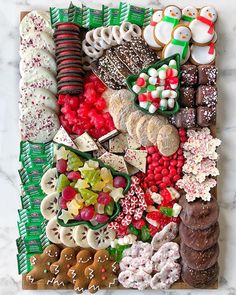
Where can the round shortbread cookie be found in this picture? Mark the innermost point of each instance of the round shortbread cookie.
(168, 140)
(39, 124)
(141, 130)
(36, 22)
(37, 41)
(38, 78)
(123, 115)
(131, 123)
(37, 98)
(37, 58)
(154, 126)
(118, 98)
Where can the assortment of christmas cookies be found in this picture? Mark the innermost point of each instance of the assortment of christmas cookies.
(118, 152)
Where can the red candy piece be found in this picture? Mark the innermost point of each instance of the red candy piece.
(68, 193)
(140, 82)
(138, 223)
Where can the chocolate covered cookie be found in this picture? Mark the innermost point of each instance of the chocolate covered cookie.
(206, 116)
(199, 260)
(206, 95)
(200, 278)
(199, 240)
(185, 118)
(199, 214)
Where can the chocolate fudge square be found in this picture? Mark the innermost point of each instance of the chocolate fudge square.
(186, 118)
(188, 75)
(206, 116)
(207, 74)
(187, 97)
(206, 95)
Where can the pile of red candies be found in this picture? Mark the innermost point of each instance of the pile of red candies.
(86, 112)
(163, 172)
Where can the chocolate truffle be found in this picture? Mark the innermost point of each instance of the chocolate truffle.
(188, 75)
(207, 74)
(186, 98)
(206, 116)
(206, 96)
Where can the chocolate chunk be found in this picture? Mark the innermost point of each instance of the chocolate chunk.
(207, 74)
(147, 55)
(199, 214)
(129, 57)
(199, 260)
(186, 98)
(199, 240)
(200, 278)
(185, 118)
(206, 116)
(188, 75)
(123, 70)
(206, 95)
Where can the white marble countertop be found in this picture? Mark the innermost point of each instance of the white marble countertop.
(9, 139)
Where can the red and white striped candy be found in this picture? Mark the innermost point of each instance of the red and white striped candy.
(128, 210)
(134, 202)
(119, 217)
(127, 220)
(113, 225)
(138, 214)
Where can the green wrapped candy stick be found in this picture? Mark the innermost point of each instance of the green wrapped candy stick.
(75, 15)
(93, 18)
(23, 261)
(111, 16)
(58, 15)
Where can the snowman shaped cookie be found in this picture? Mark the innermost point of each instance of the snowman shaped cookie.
(163, 30)
(203, 26)
(204, 55)
(148, 32)
(179, 43)
(189, 13)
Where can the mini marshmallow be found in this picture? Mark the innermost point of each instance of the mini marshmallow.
(144, 76)
(152, 109)
(171, 103)
(163, 103)
(155, 94)
(172, 63)
(153, 72)
(176, 210)
(143, 104)
(152, 80)
(136, 88)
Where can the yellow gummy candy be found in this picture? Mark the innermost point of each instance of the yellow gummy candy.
(106, 175)
(74, 206)
(62, 153)
(108, 187)
(99, 186)
(81, 183)
(93, 164)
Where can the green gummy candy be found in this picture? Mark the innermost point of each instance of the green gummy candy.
(145, 235)
(111, 16)
(62, 182)
(109, 208)
(91, 176)
(166, 211)
(93, 18)
(58, 15)
(133, 230)
(135, 15)
(74, 162)
(89, 197)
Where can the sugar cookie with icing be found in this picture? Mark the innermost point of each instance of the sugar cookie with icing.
(163, 30)
(179, 43)
(189, 13)
(148, 32)
(203, 55)
(203, 26)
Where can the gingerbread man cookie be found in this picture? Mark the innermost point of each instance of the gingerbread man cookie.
(41, 265)
(61, 267)
(76, 273)
(102, 273)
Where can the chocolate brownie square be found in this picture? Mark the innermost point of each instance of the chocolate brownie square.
(206, 95)
(187, 97)
(207, 74)
(188, 75)
(206, 116)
